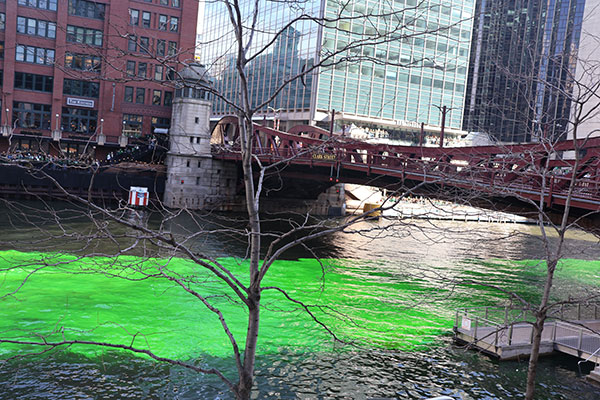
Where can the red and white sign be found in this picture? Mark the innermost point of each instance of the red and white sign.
(138, 196)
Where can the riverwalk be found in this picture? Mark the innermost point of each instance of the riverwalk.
(507, 333)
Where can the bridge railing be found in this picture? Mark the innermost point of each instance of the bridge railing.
(481, 168)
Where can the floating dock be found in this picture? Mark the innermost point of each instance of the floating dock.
(507, 332)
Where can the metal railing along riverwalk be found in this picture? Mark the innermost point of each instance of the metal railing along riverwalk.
(507, 332)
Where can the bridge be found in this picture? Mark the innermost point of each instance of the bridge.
(513, 177)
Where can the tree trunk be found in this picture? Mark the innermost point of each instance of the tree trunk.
(244, 386)
(540, 318)
(535, 353)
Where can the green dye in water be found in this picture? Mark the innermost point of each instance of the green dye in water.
(103, 299)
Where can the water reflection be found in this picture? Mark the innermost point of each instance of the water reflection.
(388, 262)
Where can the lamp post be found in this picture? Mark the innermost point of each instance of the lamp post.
(444, 111)
(276, 112)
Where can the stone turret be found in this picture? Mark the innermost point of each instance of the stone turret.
(194, 179)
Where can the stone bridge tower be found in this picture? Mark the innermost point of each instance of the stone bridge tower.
(194, 179)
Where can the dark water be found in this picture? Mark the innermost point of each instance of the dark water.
(394, 282)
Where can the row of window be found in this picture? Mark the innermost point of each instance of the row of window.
(38, 116)
(75, 87)
(165, 22)
(173, 3)
(32, 54)
(79, 34)
(44, 83)
(138, 96)
(83, 62)
(36, 27)
(40, 55)
(79, 120)
(40, 83)
(144, 45)
(43, 4)
(144, 70)
(85, 8)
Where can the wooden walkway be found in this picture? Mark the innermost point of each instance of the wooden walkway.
(574, 330)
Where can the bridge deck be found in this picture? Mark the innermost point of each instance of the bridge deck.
(531, 173)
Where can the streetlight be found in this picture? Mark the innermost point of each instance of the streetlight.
(444, 111)
(276, 112)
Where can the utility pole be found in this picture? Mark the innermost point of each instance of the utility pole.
(331, 123)
(444, 111)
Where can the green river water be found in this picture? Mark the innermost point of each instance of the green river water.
(396, 304)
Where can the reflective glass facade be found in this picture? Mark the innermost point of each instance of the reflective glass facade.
(292, 51)
(522, 63)
(396, 59)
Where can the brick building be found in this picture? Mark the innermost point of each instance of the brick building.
(80, 75)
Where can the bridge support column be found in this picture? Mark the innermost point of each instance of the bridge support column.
(200, 183)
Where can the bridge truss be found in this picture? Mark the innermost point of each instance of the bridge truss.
(535, 173)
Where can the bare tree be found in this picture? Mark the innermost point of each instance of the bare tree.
(128, 236)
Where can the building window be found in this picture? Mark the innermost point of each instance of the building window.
(36, 27)
(81, 88)
(130, 68)
(132, 43)
(145, 44)
(160, 47)
(134, 17)
(132, 125)
(74, 149)
(2, 21)
(162, 22)
(31, 116)
(174, 26)
(43, 4)
(79, 120)
(128, 94)
(158, 72)
(156, 97)
(37, 55)
(140, 94)
(160, 123)
(1, 50)
(83, 62)
(176, 3)
(78, 34)
(84, 8)
(170, 74)
(172, 48)
(39, 83)
(168, 100)
(146, 19)
(164, 2)
(142, 69)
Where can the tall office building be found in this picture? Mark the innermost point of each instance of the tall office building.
(72, 69)
(588, 73)
(388, 81)
(522, 64)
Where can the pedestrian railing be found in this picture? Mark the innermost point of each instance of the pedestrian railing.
(572, 328)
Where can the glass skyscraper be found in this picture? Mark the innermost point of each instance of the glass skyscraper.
(523, 60)
(386, 63)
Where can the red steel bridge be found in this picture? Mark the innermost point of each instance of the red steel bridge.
(518, 177)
